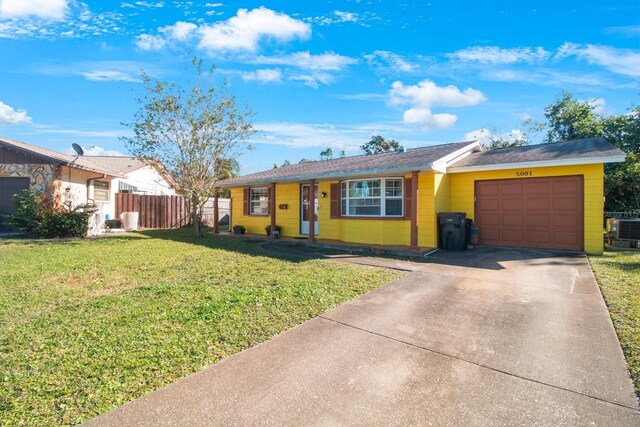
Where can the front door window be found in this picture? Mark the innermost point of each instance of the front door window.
(305, 207)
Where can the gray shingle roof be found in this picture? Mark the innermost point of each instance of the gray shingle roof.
(569, 150)
(416, 158)
(119, 164)
(116, 167)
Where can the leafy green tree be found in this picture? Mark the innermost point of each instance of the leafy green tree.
(326, 154)
(304, 160)
(342, 154)
(569, 119)
(196, 131)
(380, 145)
(504, 140)
(500, 142)
(622, 180)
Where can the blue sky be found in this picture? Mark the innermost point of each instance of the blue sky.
(317, 74)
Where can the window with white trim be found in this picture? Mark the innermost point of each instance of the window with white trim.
(259, 201)
(373, 197)
(101, 191)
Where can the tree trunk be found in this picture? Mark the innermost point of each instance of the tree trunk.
(195, 218)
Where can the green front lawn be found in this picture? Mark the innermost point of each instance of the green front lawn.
(618, 274)
(87, 325)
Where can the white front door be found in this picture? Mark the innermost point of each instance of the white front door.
(305, 209)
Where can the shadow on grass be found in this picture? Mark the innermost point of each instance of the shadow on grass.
(183, 235)
(627, 262)
(212, 241)
(31, 241)
(485, 257)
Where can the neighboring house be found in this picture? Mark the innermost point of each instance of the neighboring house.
(80, 179)
(539, 196)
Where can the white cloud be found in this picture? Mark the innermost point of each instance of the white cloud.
(248, 28)
(307, 61)
(498, 55)
(150, 42)
(485, 136)
(11, 116)
(425, 118)
(620, 61)
(101, 71)
(624, 31)
(346, 16)
(180, 31)
(108, 76)
(545, 77)
(390, 61)
(81, 133)
(525, 117)
(348, 137)
(314, 79)
(45, 9)
(361, 96)
(340, 17)
(78, 21)
(95, 150)
(263, 76)
(425, 95)
(143, 5)
(599, 105)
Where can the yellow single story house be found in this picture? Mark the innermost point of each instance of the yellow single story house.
(538, 196)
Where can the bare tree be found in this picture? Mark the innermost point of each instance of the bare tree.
(196, 131)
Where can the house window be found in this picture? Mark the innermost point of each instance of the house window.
(100, 191)
(373, 197)
(259, 199)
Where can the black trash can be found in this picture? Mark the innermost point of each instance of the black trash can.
(453, 230)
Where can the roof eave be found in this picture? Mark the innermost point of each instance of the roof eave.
(438, 165)
(34, 153)
(329, 176)
(539, 163)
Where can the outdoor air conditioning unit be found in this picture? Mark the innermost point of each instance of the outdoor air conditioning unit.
(624, 229)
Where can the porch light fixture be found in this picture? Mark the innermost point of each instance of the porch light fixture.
(324, 194)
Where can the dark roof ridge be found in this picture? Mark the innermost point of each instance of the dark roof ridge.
(369, 155)
(540, 144)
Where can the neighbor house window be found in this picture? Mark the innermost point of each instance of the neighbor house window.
(372, 197)
(259, 199)
(100, 191)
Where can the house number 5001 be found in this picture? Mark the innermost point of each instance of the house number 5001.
(524, 173)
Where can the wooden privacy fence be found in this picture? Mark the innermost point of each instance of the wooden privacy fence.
(155, 211)
(169, 211)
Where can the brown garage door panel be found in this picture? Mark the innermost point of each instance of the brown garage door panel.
(531, 212)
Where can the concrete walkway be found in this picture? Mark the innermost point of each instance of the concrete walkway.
(488, 337)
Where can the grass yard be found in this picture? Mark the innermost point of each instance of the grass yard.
(87, 325)
(618, 274)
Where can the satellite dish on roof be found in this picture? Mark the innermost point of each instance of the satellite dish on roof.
(78, 149)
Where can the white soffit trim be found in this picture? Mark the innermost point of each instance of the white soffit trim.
(443, 163)
(538, 164)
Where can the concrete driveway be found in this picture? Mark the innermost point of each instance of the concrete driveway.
(485, 337)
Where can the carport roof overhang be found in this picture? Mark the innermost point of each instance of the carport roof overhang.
(538, 164)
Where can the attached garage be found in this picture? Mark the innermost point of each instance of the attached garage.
(547, 196)
(9, 187)
(531, 212)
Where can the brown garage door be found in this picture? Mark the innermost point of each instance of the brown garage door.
(531, 212)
